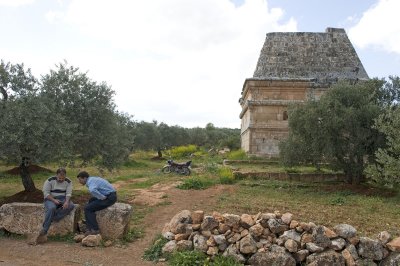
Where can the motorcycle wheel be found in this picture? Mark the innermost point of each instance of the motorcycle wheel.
(186, 171)
(166, 169)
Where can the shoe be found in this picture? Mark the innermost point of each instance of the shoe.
(42, 233)
(92, 232)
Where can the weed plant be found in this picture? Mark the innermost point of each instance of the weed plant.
(154, 253)
(183, 151)
(238, 155)
(195, 183)
(198, 258)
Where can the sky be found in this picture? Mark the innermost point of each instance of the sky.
(184, 62)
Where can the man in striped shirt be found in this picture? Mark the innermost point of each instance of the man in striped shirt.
(103, 196)
(57, 191)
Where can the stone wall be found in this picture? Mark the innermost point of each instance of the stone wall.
(308, 177)
(277, 239)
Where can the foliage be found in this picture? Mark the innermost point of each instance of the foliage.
(192, 258)
(226, 176)
(160, 136)
(183, 151)
(155, 251)
(99, 132)
(62, 238)
(237, 155)
(195, 183)
(132, 235)
(187, 258)
(31, 129)
(15, 81)
(337, 129)
(220, 260)
(386, 168)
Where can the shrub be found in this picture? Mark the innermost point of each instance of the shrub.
(183, 151)
(237, 155)
(211, 167)
(226, 176)
(197, 258)
(188, 258)
(155, 251)
(220, 260)
(195, 183)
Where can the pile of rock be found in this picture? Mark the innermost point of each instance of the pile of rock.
(277, 239)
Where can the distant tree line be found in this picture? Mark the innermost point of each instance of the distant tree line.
(65, 117)
(160, 136)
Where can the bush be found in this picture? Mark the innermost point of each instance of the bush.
(220, 260)
(188, 258)
(211, 167)
(183, 151)
(226, 176)
(195, 183)
(197, 258)
(154, 253)
(237, 155)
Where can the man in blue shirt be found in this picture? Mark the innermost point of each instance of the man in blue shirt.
(103, 196)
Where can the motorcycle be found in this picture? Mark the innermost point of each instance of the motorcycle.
(180, 168)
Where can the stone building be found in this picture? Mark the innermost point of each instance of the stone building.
(292, 67)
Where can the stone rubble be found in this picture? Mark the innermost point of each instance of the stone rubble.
(277, 239)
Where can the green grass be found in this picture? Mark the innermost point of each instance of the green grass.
(196, 183)
(368, 208)
(66, 238)
(321, 203)
(197, 258)
(154, 253)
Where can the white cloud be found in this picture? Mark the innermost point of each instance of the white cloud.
(379, 27)
(178, 61)
(15, 3)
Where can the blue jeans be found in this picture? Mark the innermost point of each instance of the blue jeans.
(95, 205)
(54, 212)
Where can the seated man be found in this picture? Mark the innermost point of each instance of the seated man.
(57, 191)
(103, 196)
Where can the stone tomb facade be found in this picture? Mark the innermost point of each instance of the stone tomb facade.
(293, 67)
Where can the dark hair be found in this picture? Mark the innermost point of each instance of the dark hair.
(83, 174)
(61, 170)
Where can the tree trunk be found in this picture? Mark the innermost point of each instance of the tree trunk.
(159, 153)
(26, 176)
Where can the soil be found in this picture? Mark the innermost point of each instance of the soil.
(18, 252)
(33, 168)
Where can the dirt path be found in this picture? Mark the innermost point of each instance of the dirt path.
(17, 252)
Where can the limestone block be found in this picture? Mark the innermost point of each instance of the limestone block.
(27, 218)
(114, 220)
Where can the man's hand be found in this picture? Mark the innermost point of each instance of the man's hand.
(65, 205)
(56, 202)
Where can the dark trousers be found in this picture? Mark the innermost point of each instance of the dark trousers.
(95, 205)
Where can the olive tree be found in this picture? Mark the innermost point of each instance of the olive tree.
(337, 129)
(98, 132)
(66, 116)
(30, 129)
(386, 168)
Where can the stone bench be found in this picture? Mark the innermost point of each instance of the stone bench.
(27, 218)
(114, 221)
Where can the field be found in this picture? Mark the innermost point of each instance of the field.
(157, 197)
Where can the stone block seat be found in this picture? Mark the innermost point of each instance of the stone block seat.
(27, 218)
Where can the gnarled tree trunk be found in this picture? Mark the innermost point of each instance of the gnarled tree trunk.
(26, 176)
